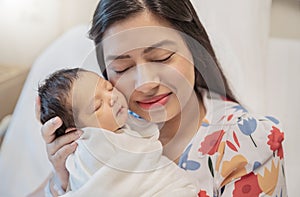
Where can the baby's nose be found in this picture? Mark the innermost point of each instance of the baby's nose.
(113, 99)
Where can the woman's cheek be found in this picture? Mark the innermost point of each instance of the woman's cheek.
(187, 70)
(124, 83)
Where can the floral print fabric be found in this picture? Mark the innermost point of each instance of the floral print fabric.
(235, 153)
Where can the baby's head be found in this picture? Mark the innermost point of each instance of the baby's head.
(82, 99)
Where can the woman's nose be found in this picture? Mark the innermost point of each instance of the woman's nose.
(147, 79)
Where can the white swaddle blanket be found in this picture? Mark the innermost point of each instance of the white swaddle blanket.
(124, 164)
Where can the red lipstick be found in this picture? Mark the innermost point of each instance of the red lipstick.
(156, 100)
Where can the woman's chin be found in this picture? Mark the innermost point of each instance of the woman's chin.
(159, 115)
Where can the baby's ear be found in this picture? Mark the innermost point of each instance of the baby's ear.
(38, 108)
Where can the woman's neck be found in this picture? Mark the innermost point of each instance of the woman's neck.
(178, 132)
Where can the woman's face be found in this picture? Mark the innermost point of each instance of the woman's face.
(150, 64)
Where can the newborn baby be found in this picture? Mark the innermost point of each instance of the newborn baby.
(118, 154)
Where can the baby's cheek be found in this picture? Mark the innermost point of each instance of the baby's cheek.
(125, 83)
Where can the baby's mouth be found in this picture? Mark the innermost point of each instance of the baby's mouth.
(120, 110)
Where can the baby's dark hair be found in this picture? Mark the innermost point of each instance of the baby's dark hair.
(54, 94)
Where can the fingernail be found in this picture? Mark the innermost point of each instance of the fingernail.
(73, 144)
(70, 129)
(79, 133)
(54, 120)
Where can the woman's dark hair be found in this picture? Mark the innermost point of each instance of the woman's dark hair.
(181, 16)
(54, 94)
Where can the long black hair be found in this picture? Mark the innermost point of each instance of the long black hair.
(181, 15)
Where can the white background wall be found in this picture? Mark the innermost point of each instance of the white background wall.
(283, 96)
(285, 19)
(239, 31)
(282, 81)
(29, 26)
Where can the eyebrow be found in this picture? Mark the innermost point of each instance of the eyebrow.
(147, 50)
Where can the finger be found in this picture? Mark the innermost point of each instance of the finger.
(62, 141)
(59, 158)
(49, 128)
(70, 129)
(38, 108)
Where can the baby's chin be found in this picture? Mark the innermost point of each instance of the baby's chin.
(112, 127)
(121, 121)
(117, 127)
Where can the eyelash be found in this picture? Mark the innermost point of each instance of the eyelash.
(121, 71)
(98, 107)
(161, 60)
(165, 59)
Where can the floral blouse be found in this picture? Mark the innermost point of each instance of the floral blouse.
(235, 153)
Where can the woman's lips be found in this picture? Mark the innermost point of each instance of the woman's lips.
(156, 100)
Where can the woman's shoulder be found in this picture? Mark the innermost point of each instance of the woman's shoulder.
(240, 129)
(242, 138)
(241, 133)
(223, 112)
(233, 145)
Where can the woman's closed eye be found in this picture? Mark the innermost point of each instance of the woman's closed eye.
(120, 66)
(163, 59)
(120, 71)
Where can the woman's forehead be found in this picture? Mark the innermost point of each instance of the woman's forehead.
(142, 37)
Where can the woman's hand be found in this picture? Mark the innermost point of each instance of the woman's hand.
(60, 148)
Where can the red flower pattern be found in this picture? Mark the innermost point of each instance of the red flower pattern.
(211, 143)
(275, 141)
(224, 98)
(247, 186)
(202, 193)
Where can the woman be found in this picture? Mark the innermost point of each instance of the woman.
(159, 56)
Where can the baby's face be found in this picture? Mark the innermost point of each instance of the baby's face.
(96, 103)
